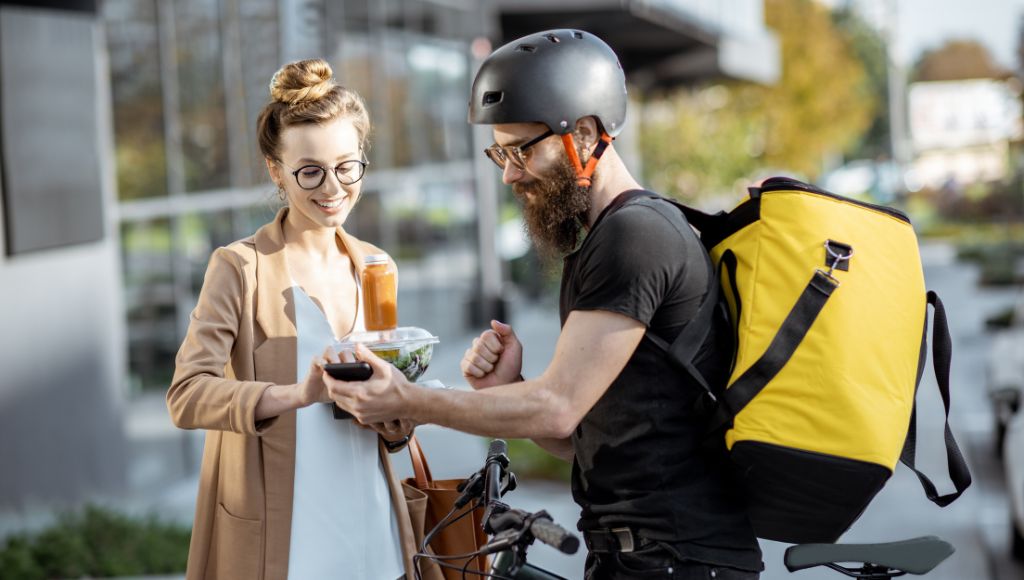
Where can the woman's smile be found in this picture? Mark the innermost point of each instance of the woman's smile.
(330, 206)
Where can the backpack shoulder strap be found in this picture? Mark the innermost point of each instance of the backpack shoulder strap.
(683, 350)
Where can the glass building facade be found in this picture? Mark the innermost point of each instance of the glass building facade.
(188, 79)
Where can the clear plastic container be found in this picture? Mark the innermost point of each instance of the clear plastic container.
(409, 348)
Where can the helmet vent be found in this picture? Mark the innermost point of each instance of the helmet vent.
(577, 35)
(526, 48)
(492, 98)
(553, 38)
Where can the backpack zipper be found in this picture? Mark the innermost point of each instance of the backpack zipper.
(787, 183)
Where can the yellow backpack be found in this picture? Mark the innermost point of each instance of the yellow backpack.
(828, 307)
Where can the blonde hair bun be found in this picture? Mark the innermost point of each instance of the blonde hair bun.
(302, 81)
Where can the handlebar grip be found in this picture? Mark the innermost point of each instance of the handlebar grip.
(497, 449)
(555, 535)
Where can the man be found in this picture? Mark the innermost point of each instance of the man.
(656, 502)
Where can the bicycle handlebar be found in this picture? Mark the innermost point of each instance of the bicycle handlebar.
(497, 462)
(555, 536)
(498, 517)
(538, 524)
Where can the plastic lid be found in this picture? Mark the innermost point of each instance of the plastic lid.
(396, 338)
(372, 259)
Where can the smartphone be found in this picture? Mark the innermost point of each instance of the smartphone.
(353, 371)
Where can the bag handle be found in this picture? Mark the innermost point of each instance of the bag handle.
(942, 351)
(420, 468)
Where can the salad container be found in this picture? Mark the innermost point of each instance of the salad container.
(408, 348)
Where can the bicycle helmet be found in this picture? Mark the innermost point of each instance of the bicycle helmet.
(555, 77)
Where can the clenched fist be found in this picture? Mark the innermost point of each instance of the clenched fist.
(495, 358)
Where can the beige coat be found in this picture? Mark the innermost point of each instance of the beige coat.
(241, 339)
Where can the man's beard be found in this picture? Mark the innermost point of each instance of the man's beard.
(556, 213)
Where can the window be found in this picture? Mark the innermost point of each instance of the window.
(204, 138)
(133, 45)
(150, 302)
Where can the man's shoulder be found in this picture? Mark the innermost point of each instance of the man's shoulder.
(652, 214)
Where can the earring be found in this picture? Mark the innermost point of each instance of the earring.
(280, 193)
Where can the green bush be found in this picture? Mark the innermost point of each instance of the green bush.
(96, 543)
(530, 461)
(998, 260)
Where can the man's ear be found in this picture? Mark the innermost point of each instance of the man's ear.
(586, 133)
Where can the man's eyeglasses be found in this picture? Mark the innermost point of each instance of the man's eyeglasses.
(516, 154)
(313, 176)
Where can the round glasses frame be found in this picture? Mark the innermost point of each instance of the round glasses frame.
(312, 176)
(516, 154)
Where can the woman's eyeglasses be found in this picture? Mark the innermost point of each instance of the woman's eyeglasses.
(313, 176)
(516, 154)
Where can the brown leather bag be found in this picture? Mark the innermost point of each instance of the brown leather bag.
(429, 500)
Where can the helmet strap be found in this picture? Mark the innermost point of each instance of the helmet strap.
(583, 173)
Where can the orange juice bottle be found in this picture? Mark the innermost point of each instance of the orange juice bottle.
(380, 293)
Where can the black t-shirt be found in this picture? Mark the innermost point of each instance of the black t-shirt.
(639, 460)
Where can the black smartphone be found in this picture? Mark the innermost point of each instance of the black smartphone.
(349, 371)
(353, 371)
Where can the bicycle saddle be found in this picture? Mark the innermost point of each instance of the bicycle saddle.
(916, 556)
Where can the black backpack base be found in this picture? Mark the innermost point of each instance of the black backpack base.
(799, 496)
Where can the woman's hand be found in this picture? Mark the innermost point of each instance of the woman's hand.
(495, 358)
(393, 430)
(312, 389)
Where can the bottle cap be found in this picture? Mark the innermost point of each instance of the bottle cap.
(375, 259)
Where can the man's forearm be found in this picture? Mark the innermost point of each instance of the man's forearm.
(560, 448)
(525, 410)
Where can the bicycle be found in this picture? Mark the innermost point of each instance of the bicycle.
(513, 531)
(884, 561)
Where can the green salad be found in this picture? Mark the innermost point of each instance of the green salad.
(408, 348)
(411, 361)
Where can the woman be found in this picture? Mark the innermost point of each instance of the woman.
(287, 491)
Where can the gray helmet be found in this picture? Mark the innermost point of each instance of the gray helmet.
(554, 77)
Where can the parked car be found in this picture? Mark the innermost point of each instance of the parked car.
(1005, 376)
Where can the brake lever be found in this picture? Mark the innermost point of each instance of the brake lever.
(510, 484)
(471, 487)
(502, 541)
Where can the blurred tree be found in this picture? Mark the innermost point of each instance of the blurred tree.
(869, 48)
(702, 140)
(957, 60)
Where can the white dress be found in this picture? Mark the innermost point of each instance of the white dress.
(343, 522)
